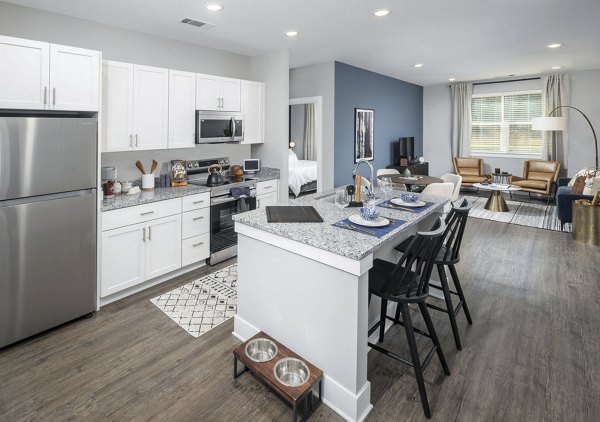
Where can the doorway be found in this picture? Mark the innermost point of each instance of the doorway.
(306, 144)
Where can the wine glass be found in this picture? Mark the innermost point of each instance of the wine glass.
(385, 184)
(341, 198)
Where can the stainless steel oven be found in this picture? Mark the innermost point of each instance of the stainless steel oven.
(214, 128)
(223, 206)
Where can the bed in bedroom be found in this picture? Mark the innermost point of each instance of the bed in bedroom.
(302, 175)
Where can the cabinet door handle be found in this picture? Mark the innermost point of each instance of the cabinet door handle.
(198, 218)
(149, 232)
(198, 244)
(144, 235)
(131, 140)
(53, 96)
(136, 140)
(45, 95)
(198, 202)
(218, 102)
(147, 213)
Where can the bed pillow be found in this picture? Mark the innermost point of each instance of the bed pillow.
(292, 156)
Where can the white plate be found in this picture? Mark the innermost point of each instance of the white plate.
(380, 222)
(417, 204)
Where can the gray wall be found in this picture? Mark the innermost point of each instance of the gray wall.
(132, 47)
(297, 129)
(318, 81)
(398, 112)
(273, 70)
(585, 91)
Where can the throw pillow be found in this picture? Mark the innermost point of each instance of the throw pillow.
(582, 172)
(579, 185)
(595, 185)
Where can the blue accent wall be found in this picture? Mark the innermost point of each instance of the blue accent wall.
(398, 112)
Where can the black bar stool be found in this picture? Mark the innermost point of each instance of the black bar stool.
(449, 255)
(404, 283)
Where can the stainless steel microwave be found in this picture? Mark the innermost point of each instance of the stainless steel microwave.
(216, 128)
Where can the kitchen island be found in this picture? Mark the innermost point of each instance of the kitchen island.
(306, 284)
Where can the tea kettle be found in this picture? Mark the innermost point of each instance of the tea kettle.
(215, 177)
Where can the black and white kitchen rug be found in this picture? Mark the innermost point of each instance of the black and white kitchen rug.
(203, 304)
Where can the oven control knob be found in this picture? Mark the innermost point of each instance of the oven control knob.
(227, 161)
(196, 165)
(189, 165)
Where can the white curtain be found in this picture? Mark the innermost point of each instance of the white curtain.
(310, 147)
(461, 94)
(556, 91)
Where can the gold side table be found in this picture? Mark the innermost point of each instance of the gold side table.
(586, 224)
(496, 201)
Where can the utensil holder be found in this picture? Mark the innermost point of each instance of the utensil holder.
(147, 182)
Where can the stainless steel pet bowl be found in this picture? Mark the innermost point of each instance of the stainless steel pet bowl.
(291, 372)
(261, 350)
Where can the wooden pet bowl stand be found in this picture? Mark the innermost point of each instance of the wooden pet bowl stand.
(264, 371)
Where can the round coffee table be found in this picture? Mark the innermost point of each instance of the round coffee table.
(416, 180)
(496, 201)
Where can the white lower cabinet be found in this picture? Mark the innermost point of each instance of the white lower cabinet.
(267, 193)
(143, 242)
(123, 258)
(163, 246)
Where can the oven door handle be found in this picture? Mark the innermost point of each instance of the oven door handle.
(222, 200)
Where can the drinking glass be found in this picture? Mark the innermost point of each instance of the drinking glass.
(385, 184)
(341, 198)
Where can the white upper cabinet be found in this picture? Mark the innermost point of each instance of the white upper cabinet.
(40, 76)
(150, 107)
(117, 106)
(216, 93)
(74, 78)
(24, 73)
(253, 108)
(182, 109)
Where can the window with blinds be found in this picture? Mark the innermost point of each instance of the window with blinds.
(501, 123)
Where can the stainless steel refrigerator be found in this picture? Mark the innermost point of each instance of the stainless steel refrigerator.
(47, 223)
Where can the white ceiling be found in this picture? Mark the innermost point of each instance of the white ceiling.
(465, 39)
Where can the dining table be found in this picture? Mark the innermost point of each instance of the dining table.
(413, 181)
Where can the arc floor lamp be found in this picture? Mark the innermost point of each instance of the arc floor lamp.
(559, 123)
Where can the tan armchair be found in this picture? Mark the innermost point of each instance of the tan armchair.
(470, 169)
(539, 176)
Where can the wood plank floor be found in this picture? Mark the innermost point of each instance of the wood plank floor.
(532, 354)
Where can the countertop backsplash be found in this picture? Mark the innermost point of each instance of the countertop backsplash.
(125, 160)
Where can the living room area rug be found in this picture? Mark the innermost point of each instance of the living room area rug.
(203, 304)
(528, 213)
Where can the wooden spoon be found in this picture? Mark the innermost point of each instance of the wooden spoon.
(140, 166)
(153, 167)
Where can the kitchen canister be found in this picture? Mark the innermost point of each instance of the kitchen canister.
(148, 181)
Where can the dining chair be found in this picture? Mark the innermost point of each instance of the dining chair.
(406, 283)
(456, 180)
(392, 172)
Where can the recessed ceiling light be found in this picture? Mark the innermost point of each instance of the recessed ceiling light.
(451, 79)
(417, 65)
(291, 33)
(556, 67)
(381, 12)
(555, 45)
(214, 7)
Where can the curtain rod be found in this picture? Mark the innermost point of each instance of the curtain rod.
(501, 82)
(510, 80)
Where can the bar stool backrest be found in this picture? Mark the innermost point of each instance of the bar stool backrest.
(456, 221)
(414, 267)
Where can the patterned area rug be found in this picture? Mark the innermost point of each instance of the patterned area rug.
(201, 305)
(529, 214)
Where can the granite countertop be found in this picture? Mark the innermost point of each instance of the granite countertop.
(162, 194)
(337, 240)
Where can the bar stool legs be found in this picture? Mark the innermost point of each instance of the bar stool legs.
(461, 295)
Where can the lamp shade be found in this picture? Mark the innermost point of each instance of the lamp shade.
(548, 123)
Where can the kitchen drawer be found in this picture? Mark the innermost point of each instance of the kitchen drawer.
(140, 213)
(194, 202)
(194, 223)
(266, 187)
(195, 249)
